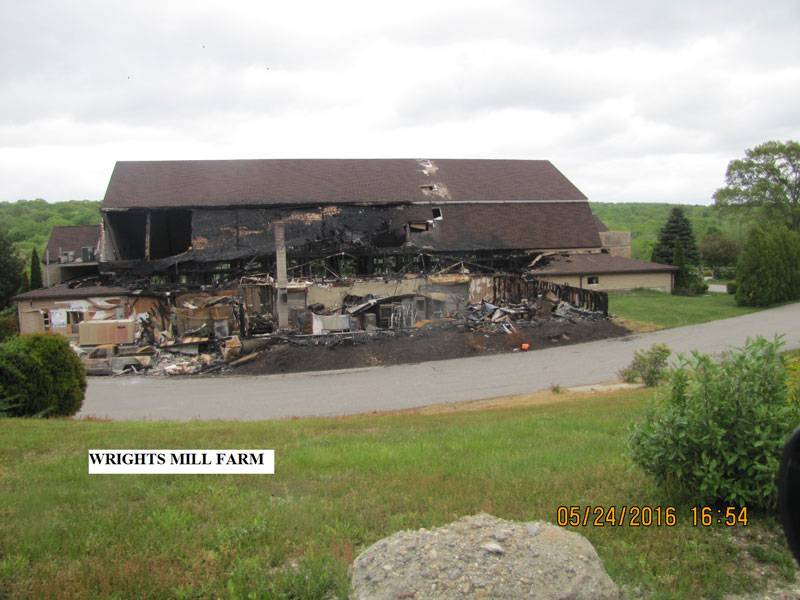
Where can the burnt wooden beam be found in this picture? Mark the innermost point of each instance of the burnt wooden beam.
(147, 235)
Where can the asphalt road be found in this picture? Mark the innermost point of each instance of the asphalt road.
(407, 386)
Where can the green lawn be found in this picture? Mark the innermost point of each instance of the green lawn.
(665, 310)
(341, 484)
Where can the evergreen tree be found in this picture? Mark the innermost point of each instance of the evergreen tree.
(682, 275)
(769, 267)
(677, 229)
(36, 271)
(10, 270)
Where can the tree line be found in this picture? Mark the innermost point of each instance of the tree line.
(763, 190)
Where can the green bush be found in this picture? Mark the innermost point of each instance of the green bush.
(724, 272)
(768, 271)
(688, 278)
(8, 323)
(717, 436)
(649, 366)
(732, 287)
(40, 376)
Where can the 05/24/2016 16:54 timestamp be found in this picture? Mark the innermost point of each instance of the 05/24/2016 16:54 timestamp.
(649, 516)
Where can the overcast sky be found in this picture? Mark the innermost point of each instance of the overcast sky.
(633, 101)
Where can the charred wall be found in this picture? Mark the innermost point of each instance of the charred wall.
(353, 239)
(231, 233)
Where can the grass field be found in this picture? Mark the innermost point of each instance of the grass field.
(341, 484)
(659, 310)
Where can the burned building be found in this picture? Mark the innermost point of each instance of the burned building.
(71, 252)
(203, 221)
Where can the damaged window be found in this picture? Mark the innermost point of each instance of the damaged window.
(170, 232)
(593, 280)
(437, 213)
(417, 226)
(128, 232)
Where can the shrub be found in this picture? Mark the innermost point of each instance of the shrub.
(732, 287)
(25, 382)
(768, 271)
(725, 273)
(649, 366)
(717, 436)
(40, 375)
(8, 324)
(688, 278)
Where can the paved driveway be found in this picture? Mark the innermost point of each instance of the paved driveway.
(407, 386)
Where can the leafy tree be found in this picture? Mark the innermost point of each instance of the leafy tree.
(677, 230)
(10, 270)
(767, 179)
(769, 267)
(36, 271)
(29, 221)
(719, 251)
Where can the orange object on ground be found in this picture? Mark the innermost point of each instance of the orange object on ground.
(526, 346)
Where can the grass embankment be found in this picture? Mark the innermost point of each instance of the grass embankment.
(649, 309)
(341, 484)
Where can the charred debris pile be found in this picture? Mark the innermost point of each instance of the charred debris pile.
(183, 332)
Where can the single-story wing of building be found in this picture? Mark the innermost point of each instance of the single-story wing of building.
(602, 271)
(72, 251)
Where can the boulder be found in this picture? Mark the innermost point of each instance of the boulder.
(482, 557)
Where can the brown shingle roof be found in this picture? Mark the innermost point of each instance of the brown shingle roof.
(66, 238)
(64, 291)
(595, 263)
(600, 225)
(201, 183)
(510, 226)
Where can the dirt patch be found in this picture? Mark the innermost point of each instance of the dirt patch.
(427, 344)
(637, 326)
(765, 556)
(542, 398)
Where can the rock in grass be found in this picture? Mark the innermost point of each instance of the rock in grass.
(465, 560)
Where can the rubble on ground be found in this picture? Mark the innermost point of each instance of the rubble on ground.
(204, 333)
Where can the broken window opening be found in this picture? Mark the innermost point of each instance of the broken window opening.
(128, 230)
(170, 232)
(437, 213)
(592, 280)
(87, 254)
(418, 226)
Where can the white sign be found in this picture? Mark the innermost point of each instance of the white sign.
(181, 462)
(58, 317)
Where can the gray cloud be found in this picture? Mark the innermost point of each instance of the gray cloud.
(634, 100)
